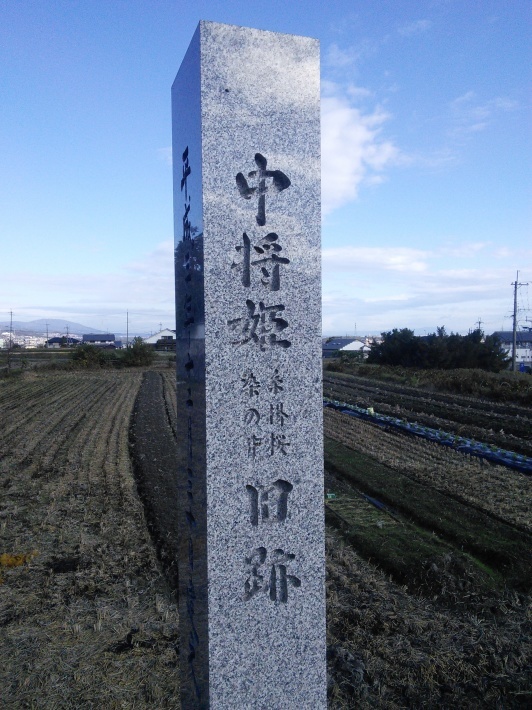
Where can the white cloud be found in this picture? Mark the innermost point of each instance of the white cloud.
(472, 116)
(352, 150)
(144, 287)
(340, 58)
(337, 58)
(414, 28)
(381, 289)
(463, 250)
(358, 258)
(358, 92)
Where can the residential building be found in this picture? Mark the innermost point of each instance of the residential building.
(523, 353)
(61, 341)
(102, 340)
(164, 339)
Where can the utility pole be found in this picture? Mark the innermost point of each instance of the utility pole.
(47, 334)
(67, 336)
(479, 323)
(127, 330)
(515, 284)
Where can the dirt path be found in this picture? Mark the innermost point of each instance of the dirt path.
(154, 455)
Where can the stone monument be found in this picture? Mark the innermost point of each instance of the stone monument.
(246, 157)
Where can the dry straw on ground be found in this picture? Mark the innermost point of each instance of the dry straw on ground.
(498, 490)
(89, 621)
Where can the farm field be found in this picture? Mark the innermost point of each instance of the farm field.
(420, 612)
(87, 618)
(448, 528)
(503, 424)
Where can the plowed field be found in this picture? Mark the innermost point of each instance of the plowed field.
(87, 619)
(417, 618)
(506, 425)
(453, 530)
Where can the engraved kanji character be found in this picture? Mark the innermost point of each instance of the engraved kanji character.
(269, 503)
(255, 581)
(186, 171)
(275, 384)
(253, 443)
(251, 416)
(260, 327)
(251, 384)
(269, 260)
(189, 436)
(277, 414)
(190, 554)
(279, 443)
(279, 183)
(278, 579)
(187, 229)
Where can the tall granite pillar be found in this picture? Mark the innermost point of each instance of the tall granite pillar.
(246, 155)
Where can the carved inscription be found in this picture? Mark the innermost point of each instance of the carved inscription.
(267, 258)
(260, 325)
(262, 267)
(279, 183)
(265, 421)
(269, 573)
(269, 504)
(262, 322)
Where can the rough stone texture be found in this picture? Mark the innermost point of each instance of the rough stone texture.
(249, 370)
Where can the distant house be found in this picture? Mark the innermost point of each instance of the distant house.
(105, 340)
(164, 340)
(331, 346)
(357, 346)
(523, 338)
(61, 342)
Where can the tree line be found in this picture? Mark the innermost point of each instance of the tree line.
(439, 350)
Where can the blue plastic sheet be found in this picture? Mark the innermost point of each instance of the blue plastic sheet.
(459, 443)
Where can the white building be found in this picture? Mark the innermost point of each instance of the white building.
(164, 335)
(523, 345)
(356, 346)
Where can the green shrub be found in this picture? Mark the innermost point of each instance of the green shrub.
(139, 354)
(93, 357)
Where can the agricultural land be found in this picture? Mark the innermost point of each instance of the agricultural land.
(428, 549)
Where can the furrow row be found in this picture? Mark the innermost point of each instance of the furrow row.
(505, 495)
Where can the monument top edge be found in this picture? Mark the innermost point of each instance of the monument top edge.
(211, 23)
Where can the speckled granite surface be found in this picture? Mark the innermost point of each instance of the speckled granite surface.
(247, 216)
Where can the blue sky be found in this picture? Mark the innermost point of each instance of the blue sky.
(425, 146)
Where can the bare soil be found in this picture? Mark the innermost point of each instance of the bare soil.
(89, 620)
(88, 613)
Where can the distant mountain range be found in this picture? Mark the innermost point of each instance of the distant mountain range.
(55, 325)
